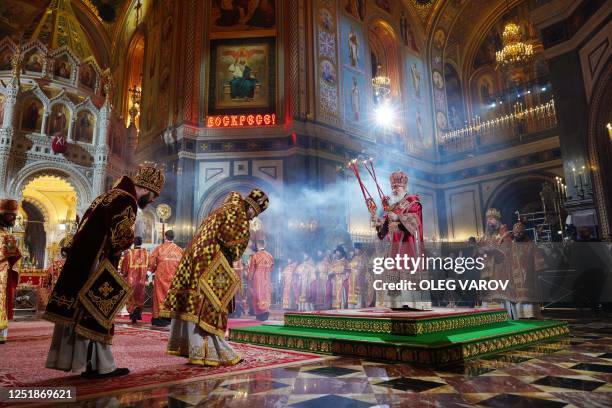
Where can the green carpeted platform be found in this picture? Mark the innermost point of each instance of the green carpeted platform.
(438, 347)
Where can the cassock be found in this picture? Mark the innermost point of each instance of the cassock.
(105, 231)
(201, 295)
(405, 236)
(134, 267)
(260, 269)
(163, 263)
(9, 255)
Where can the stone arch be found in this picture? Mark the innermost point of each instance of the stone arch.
(39, 205)
(79, 183)
(515, 191)
(600, 149)
(220, 189)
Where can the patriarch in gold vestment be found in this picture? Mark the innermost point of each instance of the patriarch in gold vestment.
(203, 288)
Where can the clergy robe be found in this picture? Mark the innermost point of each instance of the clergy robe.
(340, 270)
(201, 295)
(104, 232)
(134, 267)
(356, 281)
(163, 262)
(318, 287)
(306, 272)
(260, 269)
(289, 302)
(9, 255)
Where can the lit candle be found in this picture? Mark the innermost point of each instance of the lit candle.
(574, 176)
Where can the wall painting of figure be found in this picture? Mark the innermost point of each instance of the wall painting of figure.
(243, 76)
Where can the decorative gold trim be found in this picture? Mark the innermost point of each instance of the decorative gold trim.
(394, 326)
(218, 261)
(106, 322)
(93, 335)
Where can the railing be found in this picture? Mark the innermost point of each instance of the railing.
(511, 126)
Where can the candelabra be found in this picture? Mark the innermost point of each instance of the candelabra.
(580, 180)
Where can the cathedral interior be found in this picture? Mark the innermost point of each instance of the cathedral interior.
(483, 104)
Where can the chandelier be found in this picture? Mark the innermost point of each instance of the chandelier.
(515, 51)
(381, 84)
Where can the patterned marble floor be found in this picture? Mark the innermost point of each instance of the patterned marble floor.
(574, 372)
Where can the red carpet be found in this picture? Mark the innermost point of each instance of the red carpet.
(141, 350)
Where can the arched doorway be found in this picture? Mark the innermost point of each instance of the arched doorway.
(600, 149)
(268, 228)
(521, 194)
(50, 208)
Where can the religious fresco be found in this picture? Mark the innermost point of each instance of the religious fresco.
(33, 61)
(352, 45)
(242, 15)
(454, 97)
(407, 33)
(415, 77)
(328, 72)
(417, 104)
(31, 115)
(62, 68)
(353, 73)
(355, 8)
(87, 76)
(353, 85)
(84, 127)
(242, 74)
(58, 120)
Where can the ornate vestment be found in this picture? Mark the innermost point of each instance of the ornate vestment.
(9, 255)
(406, 238)
(306, 272)
(317, 289)
(106, 230)
(287, 275)
(356, 282)
(134, 267)
(339, 269)
(163, 262)
(260, 269)
(205, 282)
(49, 283)
(497, 248)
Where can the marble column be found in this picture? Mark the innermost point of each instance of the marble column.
(8, 131)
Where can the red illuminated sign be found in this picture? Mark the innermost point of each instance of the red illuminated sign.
(229, 121)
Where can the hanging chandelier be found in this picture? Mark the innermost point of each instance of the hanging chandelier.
(381, 84)
(515, 51)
